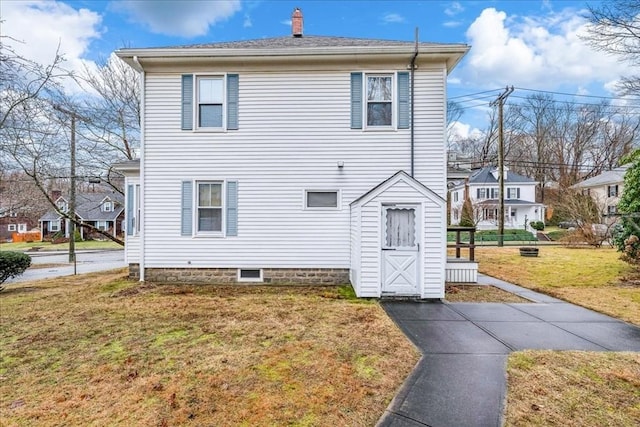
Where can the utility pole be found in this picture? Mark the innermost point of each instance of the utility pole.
(500, 103)
(72, 191)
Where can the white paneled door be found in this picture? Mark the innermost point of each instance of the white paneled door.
(400, 250)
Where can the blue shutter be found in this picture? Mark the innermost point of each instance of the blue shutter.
(518, 193)
(232, 208)
(404, 96)
(187, 102)
(131, 221)
(477, 193)
(356, 100)
(186, 223)
(232, 101)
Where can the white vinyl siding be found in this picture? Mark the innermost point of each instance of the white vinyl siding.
(295, 127)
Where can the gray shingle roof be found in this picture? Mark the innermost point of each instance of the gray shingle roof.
(484, 176)
(614, 176)
(88, 207)
(298, 42)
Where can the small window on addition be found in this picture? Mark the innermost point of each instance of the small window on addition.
(250, 275)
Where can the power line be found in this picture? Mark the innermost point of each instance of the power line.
(575, 94)
(474, 94)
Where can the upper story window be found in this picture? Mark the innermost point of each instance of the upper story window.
(612, 190)
(63, 206)
(210, 102)
(11, 227)
(455, 196)
(107, 206)
(612, 210)
(513, 193)
(379, 100)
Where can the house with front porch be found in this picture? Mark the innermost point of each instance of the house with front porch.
(483, 191)
(294, 159)
(102, 210)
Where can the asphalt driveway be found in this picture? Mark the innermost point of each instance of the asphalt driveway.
(461, 378)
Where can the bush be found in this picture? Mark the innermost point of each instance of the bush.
(12, 264)
(537, 225)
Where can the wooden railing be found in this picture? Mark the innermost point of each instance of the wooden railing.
(459, 244)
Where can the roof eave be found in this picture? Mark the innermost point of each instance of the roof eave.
(451, 54)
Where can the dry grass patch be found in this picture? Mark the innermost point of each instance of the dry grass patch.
(99, 349)
(550, 388)
(593, 278)
(459, 292)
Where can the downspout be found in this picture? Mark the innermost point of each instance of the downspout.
(413, 66)
(141, 262)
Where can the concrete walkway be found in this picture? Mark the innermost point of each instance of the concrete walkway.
(461, 378)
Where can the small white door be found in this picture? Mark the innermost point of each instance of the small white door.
(400, 250)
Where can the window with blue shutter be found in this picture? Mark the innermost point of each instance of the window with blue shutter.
(232, 208)
(187, 102)
(131, 221)
(211, 98)
(232, 101)
(404, 97)
(186, 226)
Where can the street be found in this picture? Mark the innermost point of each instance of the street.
(56, 264)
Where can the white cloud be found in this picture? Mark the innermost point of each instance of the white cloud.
(40, 26)
(459, 131)
(539, 52)
(454, 9)
(286, 22)
(452, 24)
(187, 18)
(247, 23)
(392, 18)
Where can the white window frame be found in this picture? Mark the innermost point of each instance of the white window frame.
(223, 207)
(455, 196)
(305, 200)
(393, 102)
(63, 206)
(196, 102)
(22, 228)
(54, 226)
(11, 227)
(481, 193)
(611, 193)
(250, 279)
(102, 225)
(107, 206)
(512, 192)
(612, 210)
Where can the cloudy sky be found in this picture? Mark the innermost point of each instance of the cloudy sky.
(532, 45)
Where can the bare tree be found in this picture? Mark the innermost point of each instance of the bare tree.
(113, 132)
(615, 29)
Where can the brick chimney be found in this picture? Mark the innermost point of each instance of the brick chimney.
(296, 23)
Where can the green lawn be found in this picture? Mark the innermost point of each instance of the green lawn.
(593, 278)
(47, 246)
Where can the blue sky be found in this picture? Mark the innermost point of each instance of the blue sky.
(529, 44)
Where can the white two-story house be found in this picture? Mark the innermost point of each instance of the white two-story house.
(606, 190)
(483, 190)
(296, 159)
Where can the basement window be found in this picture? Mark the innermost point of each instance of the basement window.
(250, 275)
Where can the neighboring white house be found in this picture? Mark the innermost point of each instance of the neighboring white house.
(290, 160)
(483, 191)
(606, 190)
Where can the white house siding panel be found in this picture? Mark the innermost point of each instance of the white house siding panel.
(432, 241)
(294, 128)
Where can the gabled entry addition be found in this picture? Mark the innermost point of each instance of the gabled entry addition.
(400, 251)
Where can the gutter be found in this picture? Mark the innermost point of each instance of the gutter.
(413, 66)
(141, 252)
